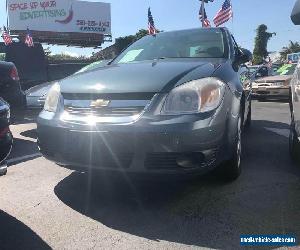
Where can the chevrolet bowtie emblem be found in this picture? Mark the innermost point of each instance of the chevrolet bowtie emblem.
(99, 103)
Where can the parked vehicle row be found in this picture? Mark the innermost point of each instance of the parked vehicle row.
(170, 104)
(160, 107)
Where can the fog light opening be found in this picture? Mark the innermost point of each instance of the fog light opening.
(190, 160)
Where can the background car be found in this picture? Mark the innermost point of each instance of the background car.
(170, 104)
(5, 135)
(10, 88)
(276, 86)
(36, 95)
(295, 99)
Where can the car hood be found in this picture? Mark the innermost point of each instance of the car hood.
(142, 77)
(39, 90)
(274, 78)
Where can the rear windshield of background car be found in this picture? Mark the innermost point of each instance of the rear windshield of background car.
(287, 69)
(184, 44)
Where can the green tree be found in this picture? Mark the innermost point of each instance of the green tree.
(66, 57)
(293, 47)
(141, 33)
(261, 44)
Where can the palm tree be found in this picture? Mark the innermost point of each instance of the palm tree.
(293, 47)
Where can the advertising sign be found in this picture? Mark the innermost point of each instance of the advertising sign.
(60, 16)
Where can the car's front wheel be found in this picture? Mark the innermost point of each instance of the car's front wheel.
(231, 170)
(294, 144)
(3, 169)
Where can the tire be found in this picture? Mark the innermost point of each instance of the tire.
(294, 145)
(231, 169)
(3, 170)
(249, 117)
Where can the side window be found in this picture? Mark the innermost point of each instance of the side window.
(236, 49)
(235, 46)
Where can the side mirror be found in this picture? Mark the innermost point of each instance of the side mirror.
(295, 16)
(244, 56)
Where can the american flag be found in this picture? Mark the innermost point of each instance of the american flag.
(205, 21)
(6, 37)
(224, 14)
(29, 39)
(151, 26)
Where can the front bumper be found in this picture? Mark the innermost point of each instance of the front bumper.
(185, 144)
(270, 92)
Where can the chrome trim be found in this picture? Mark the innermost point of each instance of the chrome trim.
(93, 120)
(112, 104)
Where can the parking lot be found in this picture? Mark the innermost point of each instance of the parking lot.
(45, 206)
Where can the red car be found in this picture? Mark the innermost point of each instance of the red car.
(10, 88)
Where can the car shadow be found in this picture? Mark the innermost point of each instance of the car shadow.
(204, 212)
(22, 151)
(30, 133)
(15, 235)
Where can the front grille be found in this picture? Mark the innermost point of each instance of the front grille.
(105, 112)
(263, 85)
(103, 160)
(117, 161)
(106, 107)
(263, 92)
(161, 160)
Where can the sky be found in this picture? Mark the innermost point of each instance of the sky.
(128, 16)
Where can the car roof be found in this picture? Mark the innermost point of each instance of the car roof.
(195, 29)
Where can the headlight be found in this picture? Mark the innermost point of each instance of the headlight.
(52, 98)
(197, 96)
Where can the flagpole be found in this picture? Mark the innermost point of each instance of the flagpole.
(203, 13)
(7, 14)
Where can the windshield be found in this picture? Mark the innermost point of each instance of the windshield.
(198, 43)
(287, 69)
(253, 69)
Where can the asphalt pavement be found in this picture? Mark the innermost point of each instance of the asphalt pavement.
(45, 206)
